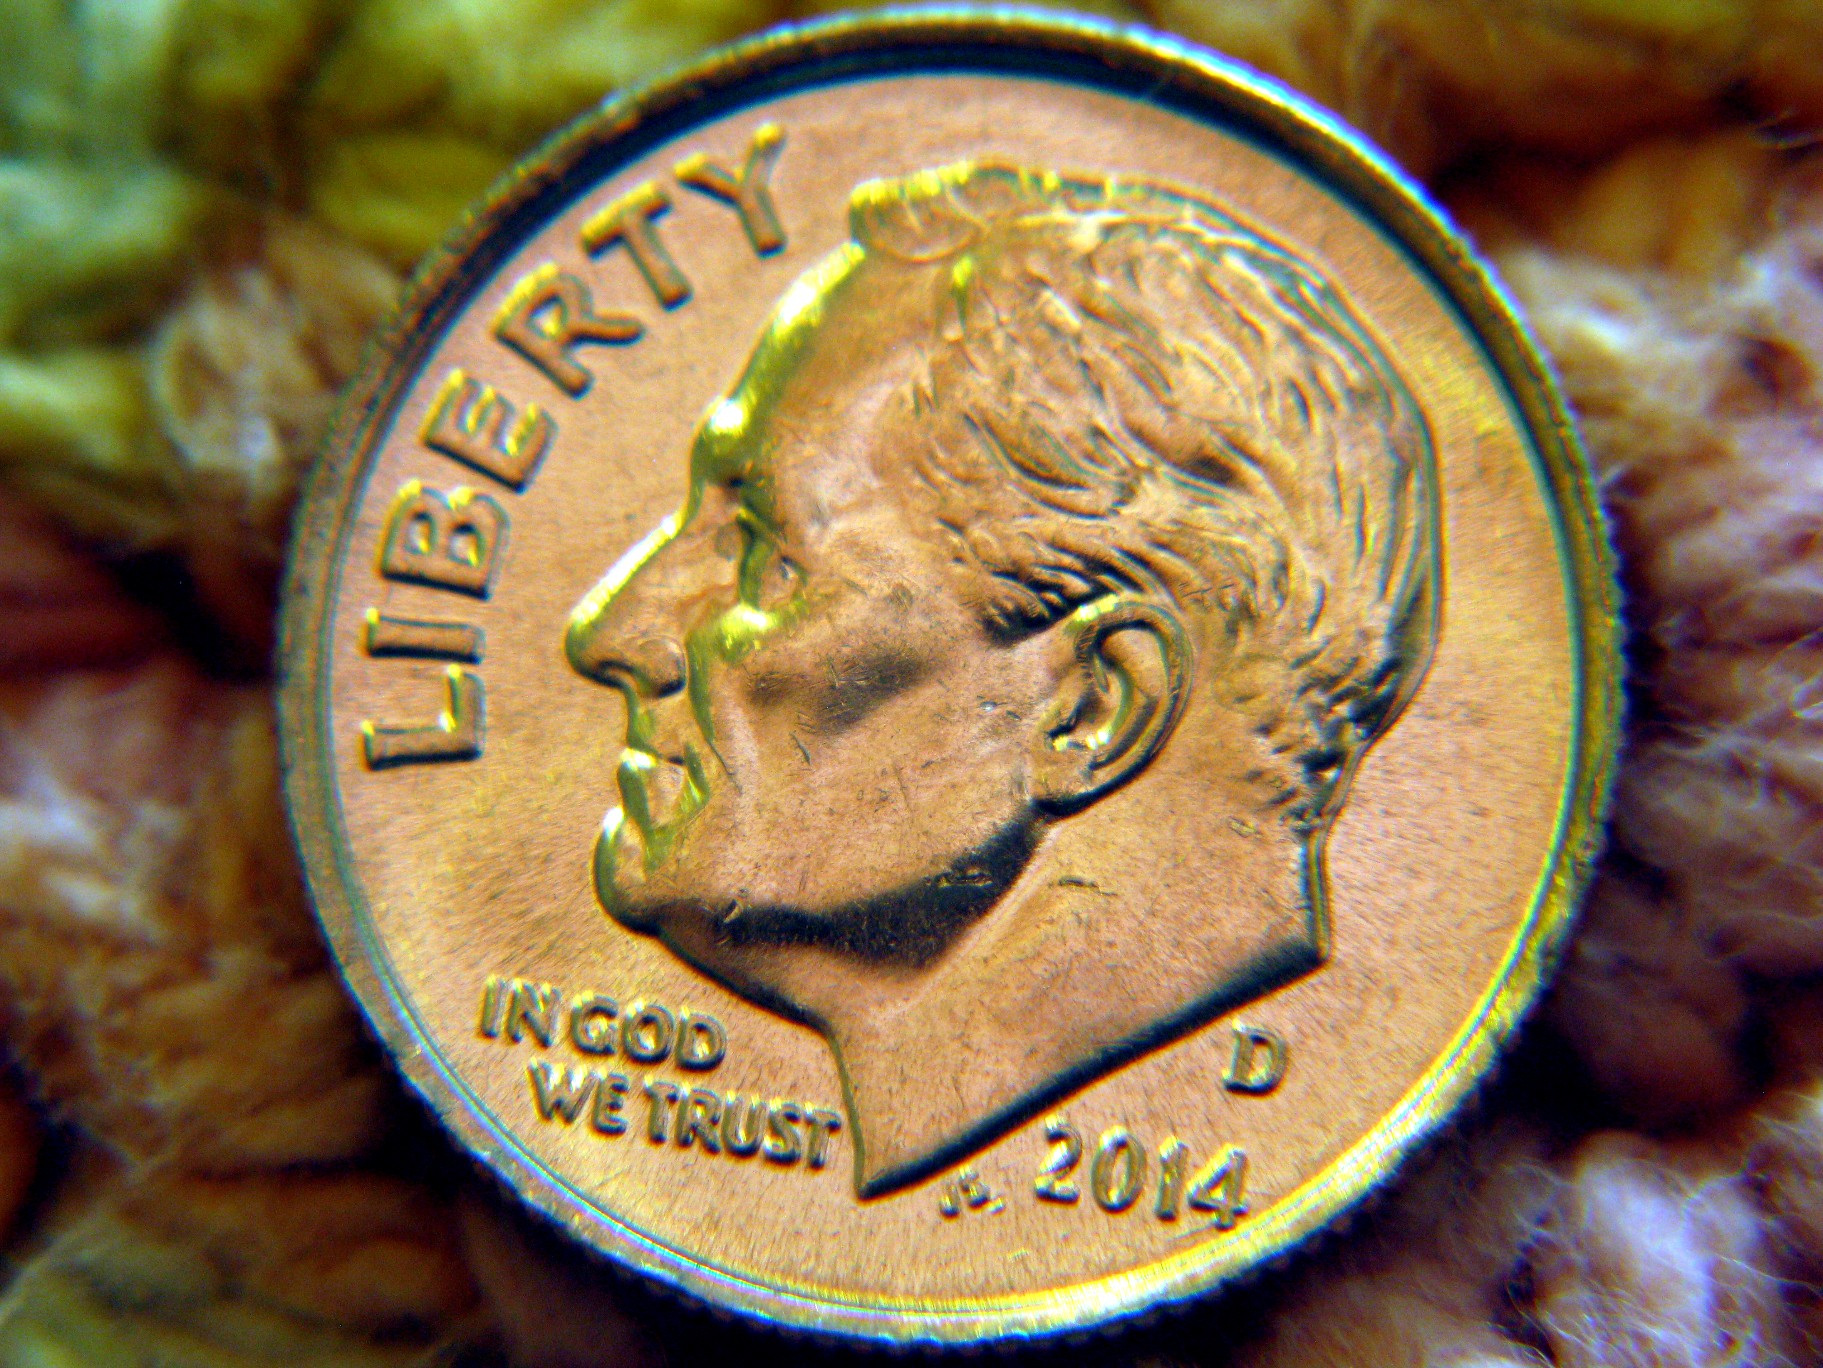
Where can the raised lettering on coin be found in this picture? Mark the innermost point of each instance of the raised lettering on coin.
(454, 734)
(630, 221)
(450, 541)
(473, 424)
(749, 191)
(592, 1023)
(1220, 1187)
(1258, 1062)
(1118, 1170)
(1173, 1168)
(382, 635)
(549, 313)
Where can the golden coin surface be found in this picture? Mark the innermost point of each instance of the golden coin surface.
(950, 679)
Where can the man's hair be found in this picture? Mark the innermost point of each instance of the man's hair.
(1129, 391)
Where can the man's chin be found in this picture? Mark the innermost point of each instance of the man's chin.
(621, 883)
(644, 900)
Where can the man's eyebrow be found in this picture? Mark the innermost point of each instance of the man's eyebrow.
(736, 476)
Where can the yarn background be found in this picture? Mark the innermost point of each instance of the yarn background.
(204, 207)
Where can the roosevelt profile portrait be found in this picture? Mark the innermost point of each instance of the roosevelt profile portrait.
(1041, 583)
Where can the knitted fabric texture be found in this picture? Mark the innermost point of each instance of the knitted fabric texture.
(205, 206)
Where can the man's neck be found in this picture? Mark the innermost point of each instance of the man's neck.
(1079, 966)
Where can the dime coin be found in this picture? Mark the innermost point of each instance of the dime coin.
(951, 679)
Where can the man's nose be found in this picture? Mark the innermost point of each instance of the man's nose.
(653, 665)
(628, 630)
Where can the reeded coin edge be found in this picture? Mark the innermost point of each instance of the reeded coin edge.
(1125, 60)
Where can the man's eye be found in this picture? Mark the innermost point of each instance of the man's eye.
(784, 576)
(774, 578)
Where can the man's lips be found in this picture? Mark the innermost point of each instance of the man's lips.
(664, 785)
(650, 788)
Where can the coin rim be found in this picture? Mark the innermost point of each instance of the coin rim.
(1122, 59)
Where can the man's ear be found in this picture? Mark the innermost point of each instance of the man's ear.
(1118, 699)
